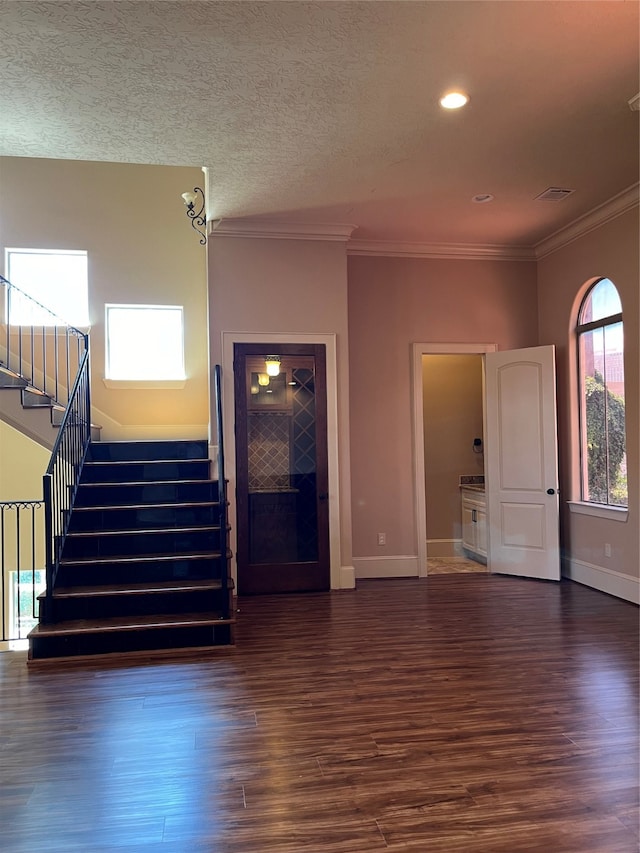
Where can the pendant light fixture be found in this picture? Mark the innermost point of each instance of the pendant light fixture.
(272, 365)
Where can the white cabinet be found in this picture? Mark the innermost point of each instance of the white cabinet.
(474, 523)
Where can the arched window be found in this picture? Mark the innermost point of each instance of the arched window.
(602, 420)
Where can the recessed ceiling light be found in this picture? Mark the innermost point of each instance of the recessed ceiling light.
(453, 100)
(482, 198)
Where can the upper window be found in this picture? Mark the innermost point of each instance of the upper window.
(144, 342)
(57, 281)
(602, 414)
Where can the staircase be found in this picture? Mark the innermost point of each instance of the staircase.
(38, 367)
(136, 538)
(144, 565)
(30, 410)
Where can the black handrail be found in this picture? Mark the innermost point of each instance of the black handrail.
(222, 495)
(60, 482)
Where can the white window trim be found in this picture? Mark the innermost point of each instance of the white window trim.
(141, 384)
(613, 513)
(582, 506)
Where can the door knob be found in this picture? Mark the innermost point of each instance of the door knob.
(551, 491)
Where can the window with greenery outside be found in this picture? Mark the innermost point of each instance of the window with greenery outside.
(601, 353)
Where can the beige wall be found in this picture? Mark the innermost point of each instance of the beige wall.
(392, 303)
(612, 251)
(452, 409)
(142, 250)
(273, 287)
(22, 465)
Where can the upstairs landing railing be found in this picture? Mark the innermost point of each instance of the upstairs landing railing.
(51, 357)
(23, 568)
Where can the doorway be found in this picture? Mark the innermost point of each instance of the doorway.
(419, 350)
(520, 426)
(454, 456)
(281, 468)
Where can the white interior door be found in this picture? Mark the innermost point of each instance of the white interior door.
(522, 463)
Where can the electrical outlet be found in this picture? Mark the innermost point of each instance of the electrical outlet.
(382, 538)
(607, 550)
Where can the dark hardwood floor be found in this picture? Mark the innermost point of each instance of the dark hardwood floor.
(463, 713)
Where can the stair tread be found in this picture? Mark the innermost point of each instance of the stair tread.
(136, 588)
(124, 623)
(117, 462)
(141, 558)
(165, 505)
(77, 534)
(118, 484)
(151, 442)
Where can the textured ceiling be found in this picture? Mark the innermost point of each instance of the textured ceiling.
(328, 112)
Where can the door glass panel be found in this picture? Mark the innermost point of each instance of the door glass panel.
(282, 461)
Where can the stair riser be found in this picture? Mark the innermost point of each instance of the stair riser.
(140, 544)
(9, 380)
(141, 572)
(31, 400)
(132, 519)
(140, 471)
(121, 642)
(147, 604)
(120, 451)
(151, 493)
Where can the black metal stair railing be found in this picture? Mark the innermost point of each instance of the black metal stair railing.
(60, 482)
(222, 496)
(45, 354)
(22, 566)
(50, 357)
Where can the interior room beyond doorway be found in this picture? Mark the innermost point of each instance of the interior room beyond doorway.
(452, 400)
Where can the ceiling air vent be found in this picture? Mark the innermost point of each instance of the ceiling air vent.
(553, 194)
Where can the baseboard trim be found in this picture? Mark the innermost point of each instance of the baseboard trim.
(605, 580)
(444, 548)
(347, 577)
(386, 567)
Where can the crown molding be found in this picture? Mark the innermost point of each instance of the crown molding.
(341, 232)
(275, 230)
(595, 218)
(446, 251)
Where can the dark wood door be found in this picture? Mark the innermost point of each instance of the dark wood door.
(281, 469)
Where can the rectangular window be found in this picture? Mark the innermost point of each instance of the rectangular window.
(57, 280)
(144, 342)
